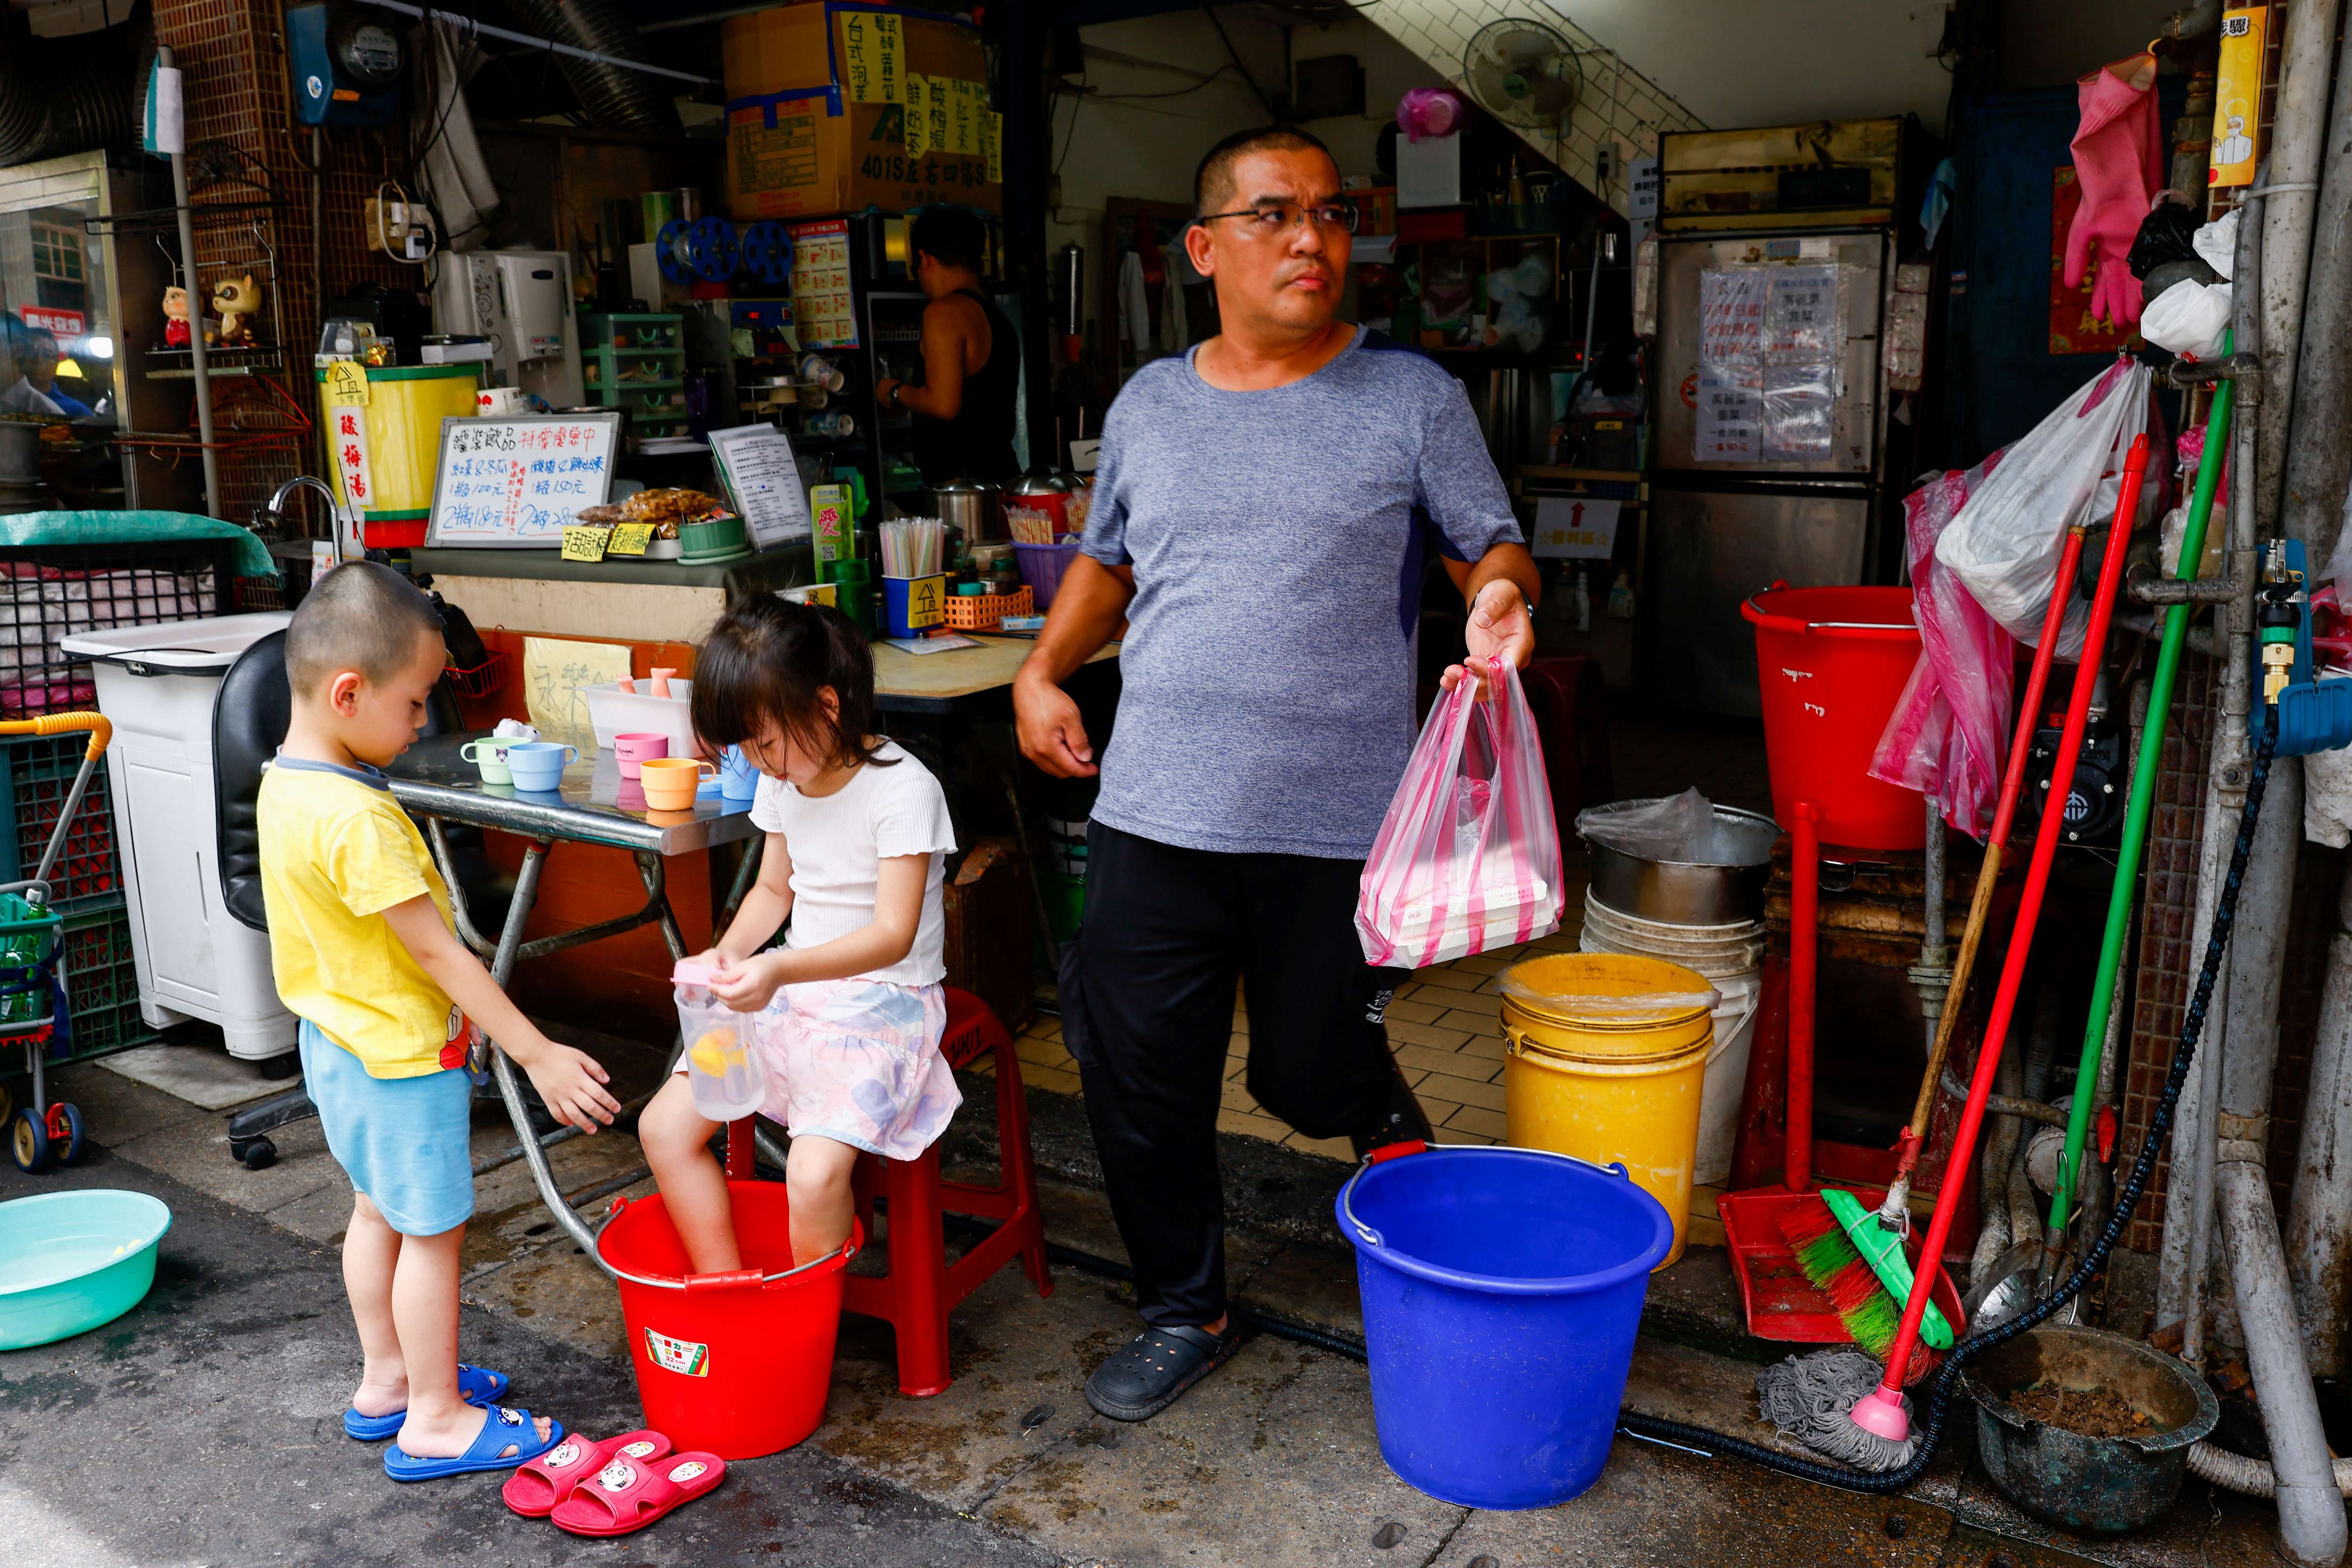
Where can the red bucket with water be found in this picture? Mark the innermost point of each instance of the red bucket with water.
(737, 1365)
(1833, 662)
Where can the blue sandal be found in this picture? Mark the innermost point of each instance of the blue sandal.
(476, 1386)
(501, 1429)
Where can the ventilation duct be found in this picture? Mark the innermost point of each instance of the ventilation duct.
(67, 95)
(615, 98)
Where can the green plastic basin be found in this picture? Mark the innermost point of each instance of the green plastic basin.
(70, 1261)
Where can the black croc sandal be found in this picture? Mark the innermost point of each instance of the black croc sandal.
(1144, 1375)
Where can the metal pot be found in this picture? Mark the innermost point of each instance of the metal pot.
(1688, 892)
(2094, 1485)
(974, 508)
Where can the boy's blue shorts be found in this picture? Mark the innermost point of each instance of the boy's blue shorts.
(404, 1141)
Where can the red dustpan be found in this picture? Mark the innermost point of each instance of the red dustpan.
(1780, 1301)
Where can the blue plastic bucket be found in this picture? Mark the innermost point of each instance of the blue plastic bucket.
(1501, 1291)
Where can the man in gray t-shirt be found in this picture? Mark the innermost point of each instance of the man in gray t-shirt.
(1264, 510)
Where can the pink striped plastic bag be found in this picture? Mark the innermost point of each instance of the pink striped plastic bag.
(1468, 857)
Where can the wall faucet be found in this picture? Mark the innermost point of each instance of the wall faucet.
(271, 517)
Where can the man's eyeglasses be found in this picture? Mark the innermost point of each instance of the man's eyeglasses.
(1283, 218)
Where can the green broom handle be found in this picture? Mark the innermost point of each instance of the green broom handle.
(2138, 811)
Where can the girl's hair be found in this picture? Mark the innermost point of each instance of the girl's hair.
(767, 660)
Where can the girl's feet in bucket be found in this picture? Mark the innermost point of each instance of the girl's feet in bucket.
(503, 1439)
(626, 1496)
(476, 1386)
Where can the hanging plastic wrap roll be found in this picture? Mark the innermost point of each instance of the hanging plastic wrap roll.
(2004, 543)
(1946, 734)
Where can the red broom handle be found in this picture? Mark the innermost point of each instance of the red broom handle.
(1805, 928)
(1914, 1140)
(2029, 912)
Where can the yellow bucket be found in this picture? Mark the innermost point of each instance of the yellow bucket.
(398, 451)
(1607, 1060)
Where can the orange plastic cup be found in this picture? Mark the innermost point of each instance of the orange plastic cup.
(669, 782)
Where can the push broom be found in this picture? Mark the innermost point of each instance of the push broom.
(1876, 1434)
(1846, 1251)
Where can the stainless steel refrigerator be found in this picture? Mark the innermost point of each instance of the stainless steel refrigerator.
(1769, 445)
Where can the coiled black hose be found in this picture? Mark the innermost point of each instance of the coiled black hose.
(1948, 1377)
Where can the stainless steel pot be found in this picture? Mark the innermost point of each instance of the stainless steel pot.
(1688, 892)
(973, 508)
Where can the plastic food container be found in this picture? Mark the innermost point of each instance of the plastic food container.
(613, 712)
(722, 1059)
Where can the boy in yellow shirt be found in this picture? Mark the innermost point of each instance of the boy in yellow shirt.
(360, 937)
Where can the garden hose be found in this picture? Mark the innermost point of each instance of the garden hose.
(1699, 1440)
(2136, 813)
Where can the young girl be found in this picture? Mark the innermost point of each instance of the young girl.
(851, 1006)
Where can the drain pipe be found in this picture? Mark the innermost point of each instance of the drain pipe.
(2319, 1212)
(2299, 143)
(2321, 451)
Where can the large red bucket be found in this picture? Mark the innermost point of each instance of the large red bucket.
(737, 1365)
(1831, 662)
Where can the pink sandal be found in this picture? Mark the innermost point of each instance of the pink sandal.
(536, 1487)
(627, 1495)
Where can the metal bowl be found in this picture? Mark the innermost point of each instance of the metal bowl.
(2094, 1485)
(1689, 892)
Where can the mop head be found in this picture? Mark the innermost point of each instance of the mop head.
(1811, 1397)
(1828, 1256)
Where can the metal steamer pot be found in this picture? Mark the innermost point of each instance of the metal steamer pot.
(973, 508)
(1683, 892)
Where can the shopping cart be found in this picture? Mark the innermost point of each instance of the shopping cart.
(32, 969)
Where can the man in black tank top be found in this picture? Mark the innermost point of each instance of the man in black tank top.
(971, 362)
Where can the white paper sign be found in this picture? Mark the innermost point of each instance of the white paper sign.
(1575, 528)
(1800, 314)
(351, 456)
(516, 482)
(1731, 316)
(1729, 409)
(763, 482)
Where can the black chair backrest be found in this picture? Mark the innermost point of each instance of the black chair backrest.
(249, 722)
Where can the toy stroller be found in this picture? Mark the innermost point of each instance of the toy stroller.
(32, 970)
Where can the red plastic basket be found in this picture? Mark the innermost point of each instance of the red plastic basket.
(483, 679)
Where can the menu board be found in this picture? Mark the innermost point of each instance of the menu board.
(824, 307)
(515, 481)
(763, 480)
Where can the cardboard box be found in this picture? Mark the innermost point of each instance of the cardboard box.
(816, 112)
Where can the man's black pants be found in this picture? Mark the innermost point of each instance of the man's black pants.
(1147, 1009)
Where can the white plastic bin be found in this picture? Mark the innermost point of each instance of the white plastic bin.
(196, 960)
(613, 712)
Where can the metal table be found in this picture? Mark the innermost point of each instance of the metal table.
(594, 805)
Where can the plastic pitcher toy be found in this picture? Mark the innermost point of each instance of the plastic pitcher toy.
(722, 1060)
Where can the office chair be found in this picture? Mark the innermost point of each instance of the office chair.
(249, 722)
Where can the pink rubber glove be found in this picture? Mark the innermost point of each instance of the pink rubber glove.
(2119, 163)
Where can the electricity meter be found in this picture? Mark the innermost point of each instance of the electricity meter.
(347, 62)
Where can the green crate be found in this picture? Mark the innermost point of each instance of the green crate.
(36, 774)
(101, 986)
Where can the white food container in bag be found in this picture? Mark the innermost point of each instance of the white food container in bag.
(613, 712)
(722, 1053)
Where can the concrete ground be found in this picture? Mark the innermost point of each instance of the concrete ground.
(203, 1427)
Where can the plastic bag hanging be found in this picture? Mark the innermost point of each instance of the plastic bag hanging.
(1468, 856)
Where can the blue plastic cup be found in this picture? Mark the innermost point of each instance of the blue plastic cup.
(738, 779)
(540, 765)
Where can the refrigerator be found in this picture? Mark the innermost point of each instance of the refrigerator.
(1768, 461)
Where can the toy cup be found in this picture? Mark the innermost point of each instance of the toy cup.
(490, 754)
(636, 747)
(738, 779)
(669, 782)
(539, 765)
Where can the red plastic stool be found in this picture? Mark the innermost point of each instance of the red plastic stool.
(916, 1295)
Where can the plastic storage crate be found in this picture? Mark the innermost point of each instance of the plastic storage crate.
(101, 987)
(36, 774)
(637, 362)
(48, 593)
